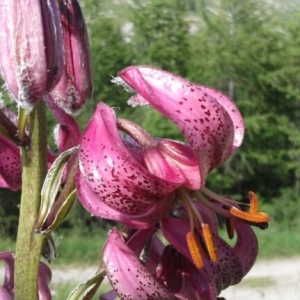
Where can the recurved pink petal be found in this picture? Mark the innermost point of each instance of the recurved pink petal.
(110, 171)
(228, 270)
(129, 278)
(246, 247)
(234, 113)
(205, 124)
(10, 165)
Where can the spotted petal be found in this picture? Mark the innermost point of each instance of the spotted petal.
(234, 113)
(246, 247)
(10, 165)
(129, 278)
(203, 121)
(112, 173)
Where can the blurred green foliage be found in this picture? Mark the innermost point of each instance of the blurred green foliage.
(247, 49)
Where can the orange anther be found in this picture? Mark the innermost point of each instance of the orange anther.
(254, 218)
(253, 203)
(194, 249)
(208, 238)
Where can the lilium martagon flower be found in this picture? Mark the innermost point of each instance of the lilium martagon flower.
(135, 179)
(74, 88)
(31, 55)
(142, 267)
(7, 289)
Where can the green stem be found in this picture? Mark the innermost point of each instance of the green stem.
(28, 246)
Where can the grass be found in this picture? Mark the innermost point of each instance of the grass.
(79, 249)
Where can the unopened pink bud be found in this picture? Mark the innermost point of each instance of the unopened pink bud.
(31, 53)
(75, 86)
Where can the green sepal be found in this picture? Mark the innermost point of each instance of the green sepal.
(86, 290)
(52, 185)
(54, 218)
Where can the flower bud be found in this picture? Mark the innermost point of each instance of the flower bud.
(31, 55)
(75, 86)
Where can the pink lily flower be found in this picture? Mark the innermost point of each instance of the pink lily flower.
(141, 265)
(135, 179)
(7, 290)
(31, 56)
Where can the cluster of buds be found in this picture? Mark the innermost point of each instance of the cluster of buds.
(45, 47)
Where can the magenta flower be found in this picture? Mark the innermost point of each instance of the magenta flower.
(31, 55)
(133, 179)
(75, 86)
(141, 266)
(7, 289)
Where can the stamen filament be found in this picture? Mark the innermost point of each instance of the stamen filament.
(194, 247)
(217, 197)
(210, 245)
(193, 213)
(212, 206)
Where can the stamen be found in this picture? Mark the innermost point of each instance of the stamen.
(253, 203)
(210, 245)
(194, 249)
(255, 218)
